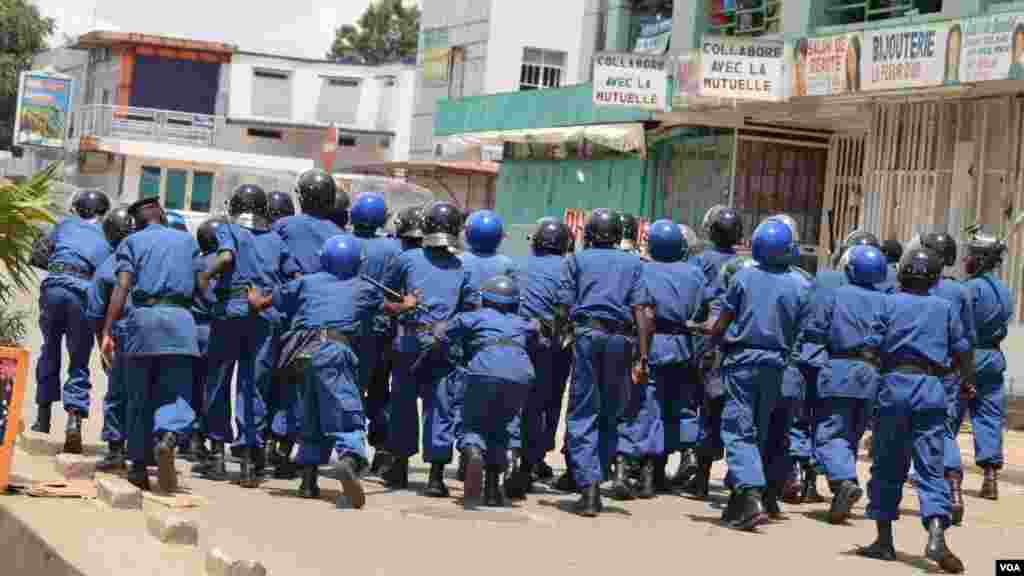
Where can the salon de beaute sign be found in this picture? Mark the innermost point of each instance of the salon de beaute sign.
(630, 81)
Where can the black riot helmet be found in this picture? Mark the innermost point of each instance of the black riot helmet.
(893, 251)
(984, 253)
(855, 238)
(248, 207)
(943, 244)
(552, 236)
(206, 234)
(501, 293)
(442, 224)
(630, 230)
(603, 229)
(409, 223)
(90, 204)
(725, 229)
(117, 225)
(919, 269)
(280, 205)
(316, 190)
(339, 213)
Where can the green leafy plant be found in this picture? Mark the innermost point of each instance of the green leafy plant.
(24, 210)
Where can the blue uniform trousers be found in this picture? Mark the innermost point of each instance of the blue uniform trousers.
(988, 417)
(333, 408)
(424, 377)
(652, 424)
(685, 410)
(62, 316)
(910, 427)
(561, 367)
(490, 405)
(841, 423)
(954, 419)
(598, 395)
(535, 427)
(239, 341)
(802, 433)
(710, 444)
(375, 373)
(157, 390)
(755, 426)
(114, 405)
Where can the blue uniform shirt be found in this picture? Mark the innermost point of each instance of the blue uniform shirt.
(677, 290)
(442, 282)
(956, 294)
(921, 328)
(603, 284)
(993, 307)
(305, 236)
(808, 353)
(769, 307)
(322, 300)
(79, 243)
(891, 283)
(98, 295)
(710, 261)
(274, 255)
(539, 281)
(255, 263)
(849, 319)
(484, 267)
(161, 261)
(202, 305)
(380, 252)
(495, 343)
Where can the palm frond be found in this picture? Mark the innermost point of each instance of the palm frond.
(24, 210)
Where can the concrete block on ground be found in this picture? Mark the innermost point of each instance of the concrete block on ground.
(220, 564)
(173, 529)
(76, 466)
(118, 493)
(38, 443)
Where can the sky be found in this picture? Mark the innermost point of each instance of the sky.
(293, 28)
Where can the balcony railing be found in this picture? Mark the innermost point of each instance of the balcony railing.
(106, 121)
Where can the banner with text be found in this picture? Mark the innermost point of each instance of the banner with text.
(993, 47)
(909, 57)
(742, 68)
(826, 65)
(630, 80)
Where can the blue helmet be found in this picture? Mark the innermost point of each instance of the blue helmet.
(177, 221)
(370, 211)
(795, 230)
(342, 255)
(484, 231)
(773, 244)
(866, 265)
(500, 291)
(665, 241)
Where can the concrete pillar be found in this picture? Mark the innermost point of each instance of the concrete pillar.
(798, 17)
(619, 24)
(688, 23)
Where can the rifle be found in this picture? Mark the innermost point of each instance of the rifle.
(388, 292)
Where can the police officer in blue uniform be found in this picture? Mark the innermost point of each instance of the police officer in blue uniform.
(609, 304)
(247, 256)
(958, 296)
(369, 214)
(78, 249)
(760, 320)
(498, 377)
(202, 313)
(117, 225)
(156, 269)
(993, 306)
(651, 431)
(484, 233)
(409, 227)
(328, 307)
(539, 279)
(436, 286)
(724, 230)
(847, 320)
(921, 336)
(279, 205)
(306, 233)
(176, 221)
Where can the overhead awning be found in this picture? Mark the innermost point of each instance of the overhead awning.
(201, 155)
(627, 137)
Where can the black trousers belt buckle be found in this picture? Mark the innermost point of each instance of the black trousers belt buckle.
(332, 335)
(69, 270)
(607, 327)
(915, 369)
(167, 301)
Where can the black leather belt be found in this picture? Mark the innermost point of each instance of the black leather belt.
(502, 343)
(335, 335)
(918, 368)
(862, 354)
(176, 301)
(606, 326)
(418, 328)
(69, 270)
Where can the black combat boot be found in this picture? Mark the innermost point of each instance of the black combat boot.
(990, 485)
(844, 495)
(397, 476)
(249, 477)
(114, 461)
(732, 510)
(214, 467)
(139, 476)
(751, 510)
(542, 472)
(460, 470)
(197, 446)
(284, 467)
(73, 433)
(809, 486)
(700, 484)
(621, 490)
(770, 501)
(309, 487)
(936, 549)
(347, 470)
(688, 466)
(44, 416)
(473, 462)
(493, 497)
(166, 475)
(517, 477)
(435, 483)
(661, 482)
(646, 490)
(792, 490)
(567, 481)
(956, 494)
(589, 504)
(381, 462)
(882, 548)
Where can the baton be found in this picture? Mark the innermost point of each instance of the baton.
(388, 291)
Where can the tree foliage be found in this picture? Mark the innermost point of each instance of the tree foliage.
(386, 32)
(23, 34)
